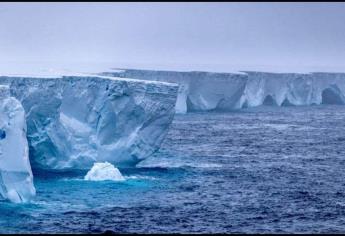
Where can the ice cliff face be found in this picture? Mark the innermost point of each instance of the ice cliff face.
(293, 89)
(74, 121)
(206, 91)
(16, 180)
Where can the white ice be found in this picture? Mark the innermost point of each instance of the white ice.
(104, 171)
(16, 179)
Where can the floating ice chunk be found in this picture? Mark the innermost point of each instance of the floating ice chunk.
(104, 171)
(16, 180)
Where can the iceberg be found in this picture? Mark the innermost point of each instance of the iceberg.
(74, 121)
(104, 171)
(16, 179)
(209, 91)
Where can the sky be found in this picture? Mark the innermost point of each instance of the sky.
(186, 36)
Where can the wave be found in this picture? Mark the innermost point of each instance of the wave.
(180, 165)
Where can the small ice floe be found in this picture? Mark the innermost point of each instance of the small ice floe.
(102, 171)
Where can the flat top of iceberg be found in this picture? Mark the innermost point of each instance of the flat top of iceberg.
(58, 69)
(234, 73)
(137, 80)
(118, 70)
(81, 75)
(45, 70)
(229, 67)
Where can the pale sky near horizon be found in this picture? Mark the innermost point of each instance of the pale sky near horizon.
(219, 35)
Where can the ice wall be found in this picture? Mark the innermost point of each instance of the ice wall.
(16, 180)
(293, 89)
(206, 91)
(75, 121)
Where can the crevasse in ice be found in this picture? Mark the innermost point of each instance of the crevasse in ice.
(16, 179)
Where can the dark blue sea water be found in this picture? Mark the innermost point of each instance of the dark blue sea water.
(253, 171)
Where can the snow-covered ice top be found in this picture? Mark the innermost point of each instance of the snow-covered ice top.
(104, 171)
(16, 179)
(206, 91)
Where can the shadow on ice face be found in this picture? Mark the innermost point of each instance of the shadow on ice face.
(2, 134)
(332, 96)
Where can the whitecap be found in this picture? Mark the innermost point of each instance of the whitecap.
(139, 177)
(180, 165)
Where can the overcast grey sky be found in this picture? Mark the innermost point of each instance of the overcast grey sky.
(285, 35)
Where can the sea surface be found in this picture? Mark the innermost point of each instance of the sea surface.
(258, 170)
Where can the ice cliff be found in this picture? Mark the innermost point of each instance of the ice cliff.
(74, 121)
(16, 179)
(207, 91)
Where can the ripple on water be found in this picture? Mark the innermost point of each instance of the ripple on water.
(254, 171)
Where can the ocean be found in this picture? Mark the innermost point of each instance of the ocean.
(255, 170)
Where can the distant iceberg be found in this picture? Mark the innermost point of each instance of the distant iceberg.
(208, 91)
